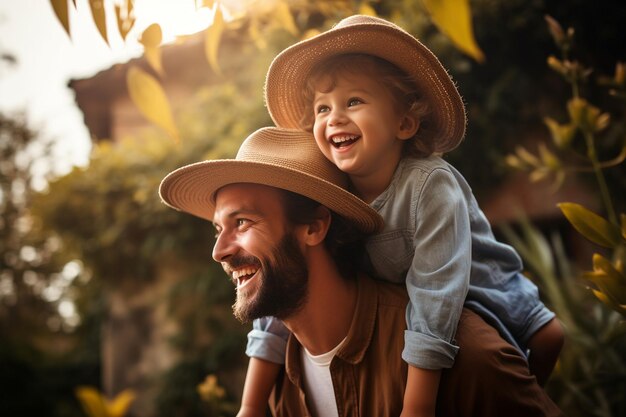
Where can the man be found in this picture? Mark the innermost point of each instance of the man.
(288, 235)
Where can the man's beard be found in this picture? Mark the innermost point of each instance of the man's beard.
(283, 287)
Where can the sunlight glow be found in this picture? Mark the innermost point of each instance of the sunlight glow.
(176, 17)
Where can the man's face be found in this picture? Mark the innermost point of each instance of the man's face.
(258, 250)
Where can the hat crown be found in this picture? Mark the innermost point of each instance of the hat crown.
(292, 149)
(360, 19)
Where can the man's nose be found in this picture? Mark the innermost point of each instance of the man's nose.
(224, 247)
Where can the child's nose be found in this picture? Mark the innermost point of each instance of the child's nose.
(337, 117)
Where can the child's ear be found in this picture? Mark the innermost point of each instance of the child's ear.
(408, 126)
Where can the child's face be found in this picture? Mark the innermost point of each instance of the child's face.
(358, 127)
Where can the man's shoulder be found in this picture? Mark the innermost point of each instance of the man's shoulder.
(391, 294)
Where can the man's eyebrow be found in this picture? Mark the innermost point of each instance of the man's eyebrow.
(239, 212)
(243, 211)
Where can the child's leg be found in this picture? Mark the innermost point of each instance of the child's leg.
(545, 346)
(490, 378)
(260, 380)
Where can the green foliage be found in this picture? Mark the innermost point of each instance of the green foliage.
(586, 124)
(590, 377)
(109, 215)
(40, 362)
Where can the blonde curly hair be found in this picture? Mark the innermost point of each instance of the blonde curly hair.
(324, 76)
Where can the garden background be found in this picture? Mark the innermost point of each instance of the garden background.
(110, 303)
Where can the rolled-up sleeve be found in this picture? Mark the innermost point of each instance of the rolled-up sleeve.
(268, 340)
(438, 278)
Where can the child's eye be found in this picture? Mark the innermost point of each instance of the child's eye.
(322, 109)
(354, 102)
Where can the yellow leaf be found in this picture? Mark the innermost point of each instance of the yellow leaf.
(622, 217)
(61, 11)
(310, 33)
(514, 162)
(152, 36)
(285, 18)
(454, 18)
(539, 174)
(608, 279)
(125, 18)
(99, 17)
(212, 40)
(255, 34)
(367, 10)
(555, 30)
(209, 390)
(620, 73)
(120, 404)
(602, 122)
(151, 40)
(562, 135)
(149, 97)
(549, 159)
(527, 157)
(92, 401)
(585, 115)
(590, 225)
(620, 308)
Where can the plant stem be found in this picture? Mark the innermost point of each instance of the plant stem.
(597, 169)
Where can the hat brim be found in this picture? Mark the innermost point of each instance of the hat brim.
(288, 73)
(192, 189)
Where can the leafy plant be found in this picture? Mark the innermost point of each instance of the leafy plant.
(258, 19)
(97, 405)
(575, 149)
(590, 377)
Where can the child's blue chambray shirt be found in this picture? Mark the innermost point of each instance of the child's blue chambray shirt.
(438, 241)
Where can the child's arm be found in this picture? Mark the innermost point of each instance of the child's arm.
(420, 395)
(267, 342)
(260, 380)
(545, 346)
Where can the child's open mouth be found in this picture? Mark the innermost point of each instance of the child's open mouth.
(243, 276)
(341, 141)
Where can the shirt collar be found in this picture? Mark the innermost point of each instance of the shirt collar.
(390, 190)
(358, 337)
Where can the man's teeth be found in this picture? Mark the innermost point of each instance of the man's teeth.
(243, 272)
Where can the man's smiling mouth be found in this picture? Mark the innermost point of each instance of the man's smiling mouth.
(241, 277)
(340, 141)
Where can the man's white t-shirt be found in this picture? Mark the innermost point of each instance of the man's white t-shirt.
(318, 385)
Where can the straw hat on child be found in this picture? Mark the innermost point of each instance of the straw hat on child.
(282, 158)
(288, 72)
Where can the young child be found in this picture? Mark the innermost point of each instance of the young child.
(382, 107)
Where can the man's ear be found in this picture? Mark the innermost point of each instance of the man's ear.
(315, 232)
(408, 126)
